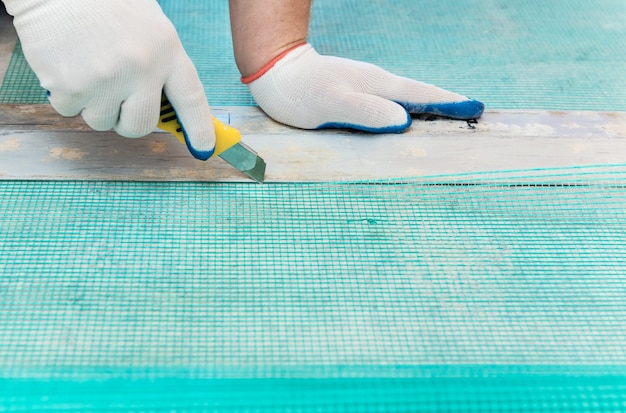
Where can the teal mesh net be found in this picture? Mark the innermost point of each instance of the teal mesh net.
(508, 55)
(482, 292)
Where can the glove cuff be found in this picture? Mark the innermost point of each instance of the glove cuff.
(249, 79)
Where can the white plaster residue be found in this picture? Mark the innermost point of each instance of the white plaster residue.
(10, 145)
(572, 125)
(418, 152)
(415, 152)
(528, 129)
(615, 129)
(580, 147)
(539, 129)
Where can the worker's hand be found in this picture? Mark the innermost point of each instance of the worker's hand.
(304, 89)
(110, 60)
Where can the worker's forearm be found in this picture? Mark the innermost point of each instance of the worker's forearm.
(262, 29)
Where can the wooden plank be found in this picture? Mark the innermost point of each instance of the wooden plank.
(36, 143)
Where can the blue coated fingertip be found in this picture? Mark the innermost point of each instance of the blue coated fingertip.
(465, 110)
(386, 129)
(201, 155)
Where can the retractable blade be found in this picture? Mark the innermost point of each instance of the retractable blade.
(228, 145)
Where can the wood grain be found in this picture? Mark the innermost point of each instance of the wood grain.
(37, 143)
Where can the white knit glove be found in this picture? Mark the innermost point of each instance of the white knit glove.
(110, 60)
(304, 89)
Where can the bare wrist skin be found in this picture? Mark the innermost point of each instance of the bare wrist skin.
(263, 29)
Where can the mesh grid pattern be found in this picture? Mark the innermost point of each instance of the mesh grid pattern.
(555, 394)
(465, 293)
(20, 85)
(508, 55)
(243, 286)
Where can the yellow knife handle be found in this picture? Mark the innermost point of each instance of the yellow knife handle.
(225, 136)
